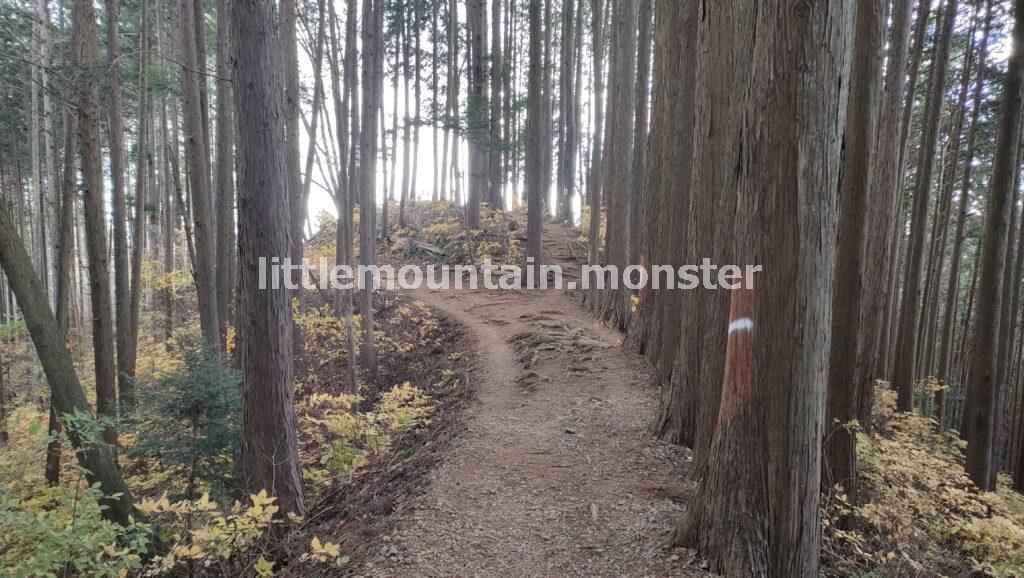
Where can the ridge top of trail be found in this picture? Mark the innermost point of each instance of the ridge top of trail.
(557, 473)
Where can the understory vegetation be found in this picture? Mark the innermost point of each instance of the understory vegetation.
(917, 511)
(180, 450)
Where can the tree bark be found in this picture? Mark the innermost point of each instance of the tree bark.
(86, 48)
(945, 347)
(535, 141)
(840, 450)
(373, 77)
(496, 192)
(476, 109)
(669, 176)
(225, 165)
(880, 208)
(1007, 315)
(615, 303)
(910, 305)
(596, 145)
(343, 197)
(756, 510)
(637, 204)
(119, 212)
(566, 109)
(127, 358)
(197, 158)
(898, 223)
(980, 413)
(269, 443)
(722, 77)
(63, 254)
(67, 394)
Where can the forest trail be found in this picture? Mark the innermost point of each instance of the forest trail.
(556, 473)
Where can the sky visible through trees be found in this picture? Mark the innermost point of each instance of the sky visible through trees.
(852, 405)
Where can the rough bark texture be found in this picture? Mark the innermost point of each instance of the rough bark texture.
(566, 111)
(618, 156)
(1009, 295)
(945, 346)
(756, 509)
(840, 458)
(672, 146)
(910, 304)
(64, 251)
(66, 393)
(898, 213)
(880, 208)
(269, 443)
(638, 218)
(645, 232)
(980, 413)
(719, 97)
(344, 195)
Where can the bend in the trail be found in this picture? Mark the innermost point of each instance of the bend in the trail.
(557, 473)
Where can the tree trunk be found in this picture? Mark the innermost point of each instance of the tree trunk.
(373, 77)
(596, 146)
(495, 193)
(119, 212)
(417, 100)
(880, 206)
(126, 359)
(719, 98)
(225, 164)
(1007, 315)
(756, 510)
(637, 204)
(51, 209)
(535, 141)
(344, 195)
(566, 108)
(945, 349)
(197, 158)
(476, 109)
(269, 444)
(317, 55)
(840, 451)
(63, 254)
(910, 305)
(980, 416)
(451, 102)
(86, 47)
(615, 304)
(406, 67)
(669, 177)
(67, 394)
(897, 225)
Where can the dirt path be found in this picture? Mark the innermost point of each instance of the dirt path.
(556, 474)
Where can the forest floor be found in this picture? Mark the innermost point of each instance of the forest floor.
(556, 472)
